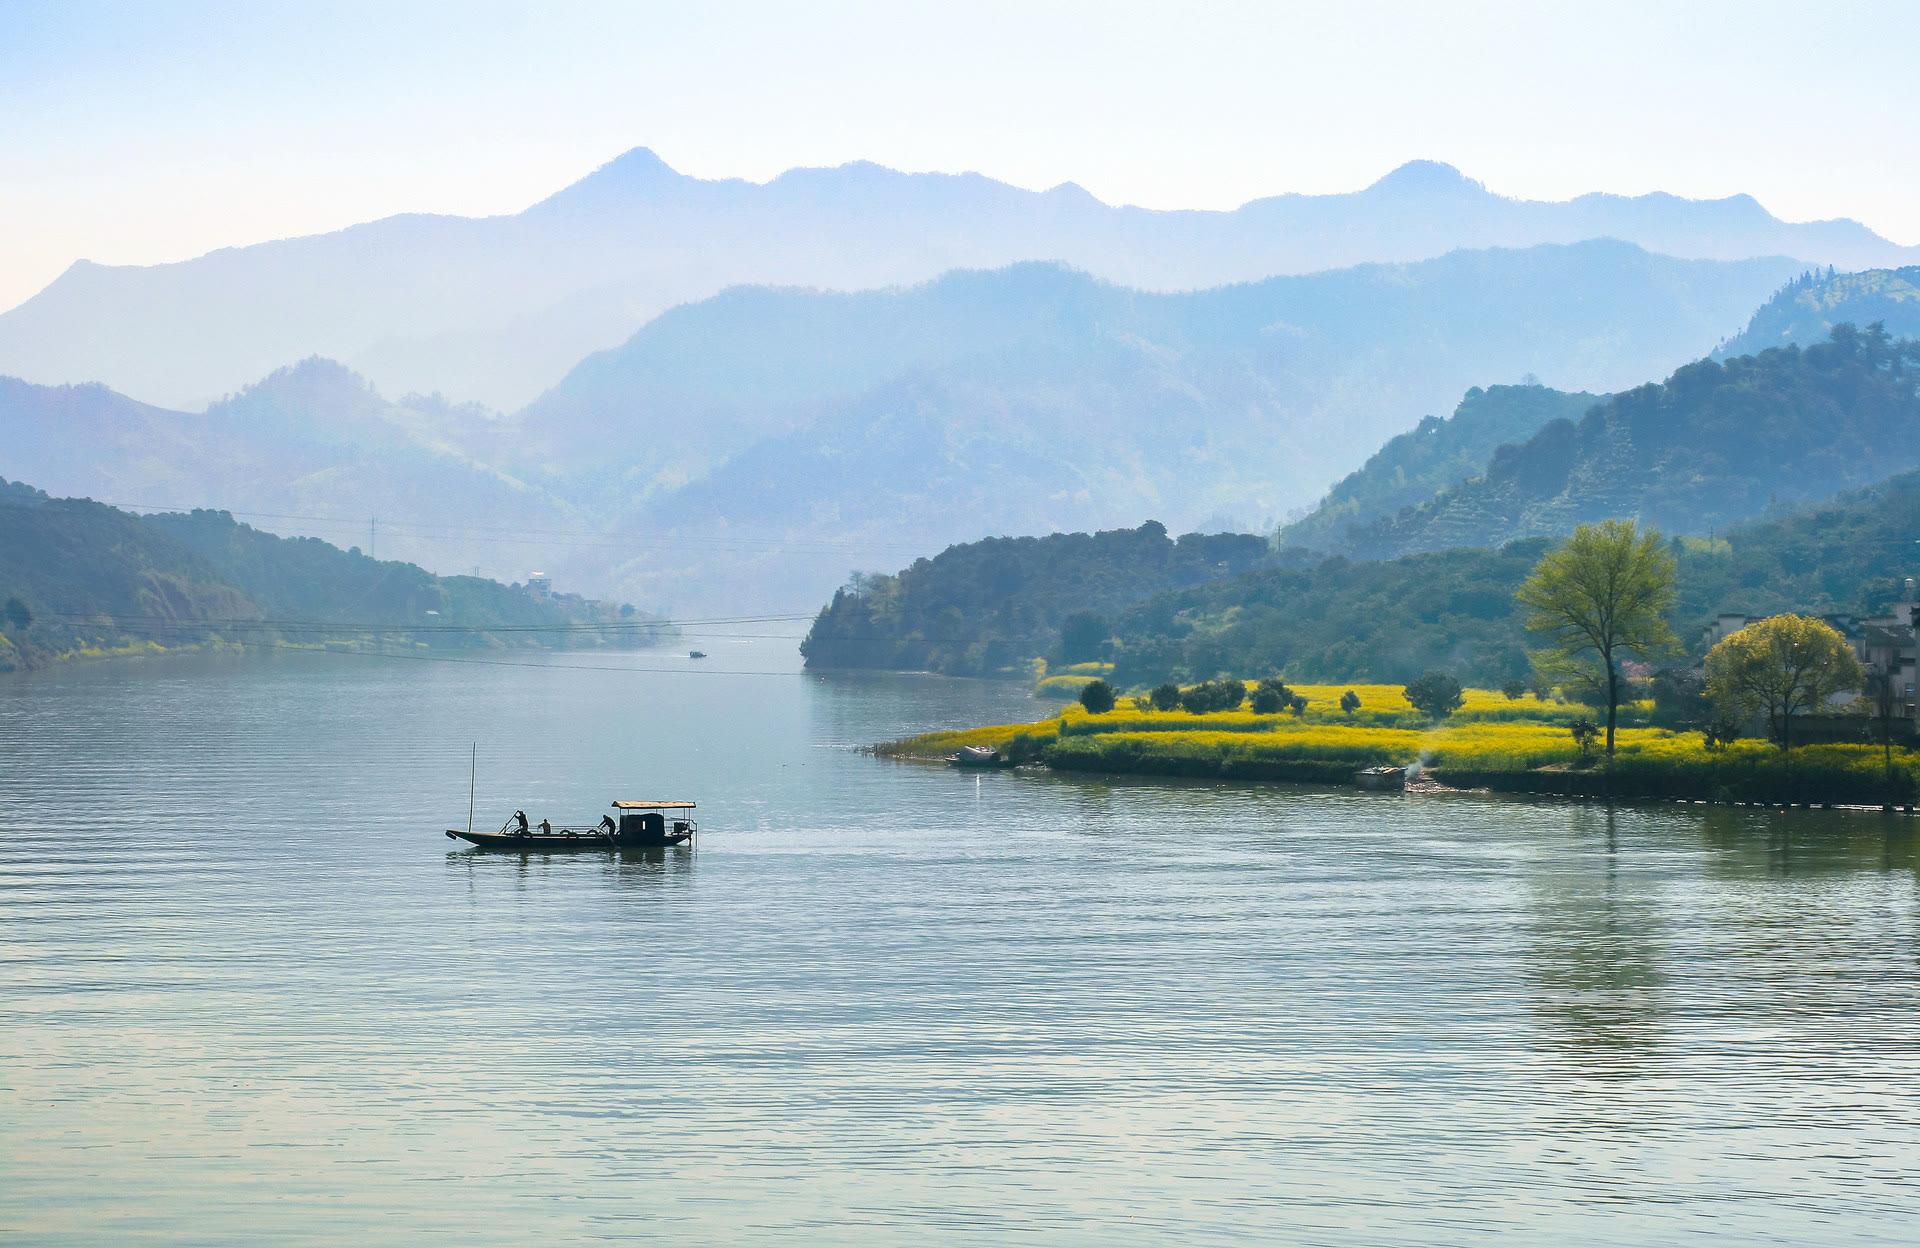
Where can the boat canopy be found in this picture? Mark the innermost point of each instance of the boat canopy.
(653, 805)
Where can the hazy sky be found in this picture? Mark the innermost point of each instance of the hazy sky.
(141, 133)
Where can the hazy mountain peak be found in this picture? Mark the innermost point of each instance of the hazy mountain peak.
(315, 382)
(636, 172)
(1072, 192)
(637, 164)
(1426, 177)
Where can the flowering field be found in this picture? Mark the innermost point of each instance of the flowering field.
(1324, 745)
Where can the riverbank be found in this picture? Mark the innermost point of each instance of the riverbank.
(1509, 745)
(17, 660)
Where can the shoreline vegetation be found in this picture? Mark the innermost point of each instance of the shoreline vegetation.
(81, 580)
(1516, 745)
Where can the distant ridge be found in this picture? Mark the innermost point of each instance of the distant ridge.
(498, 308)
(1806, 309)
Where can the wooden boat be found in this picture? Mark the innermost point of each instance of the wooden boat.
(696, 654)
(641, 825)
(978, 756)
(1381, 777)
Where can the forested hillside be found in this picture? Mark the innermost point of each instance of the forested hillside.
(1806, 309)
(1717, 443)
(983, 607)
(1414, 466)
(88, 577)
(1454, 610)
(1332, 619)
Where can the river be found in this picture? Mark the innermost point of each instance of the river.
(250, 993)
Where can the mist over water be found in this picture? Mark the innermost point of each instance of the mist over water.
(250, 993)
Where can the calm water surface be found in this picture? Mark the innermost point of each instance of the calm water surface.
(250, 994)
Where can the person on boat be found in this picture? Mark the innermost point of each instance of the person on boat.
(546, 827)
(607, 824)
(520, 817)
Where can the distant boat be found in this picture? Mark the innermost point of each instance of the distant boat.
(1381, 777)
(978, 756)
(696, 654)
(642, 825)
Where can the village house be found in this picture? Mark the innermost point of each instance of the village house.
(1887, 645)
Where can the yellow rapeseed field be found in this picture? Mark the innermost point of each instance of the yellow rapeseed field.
(1229, 742)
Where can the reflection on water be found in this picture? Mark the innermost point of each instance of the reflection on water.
(1804, 844)
(1596, 962)
(248, 994)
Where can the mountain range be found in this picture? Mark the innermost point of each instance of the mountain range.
(495, 309)
(749, 449)
(810, 427)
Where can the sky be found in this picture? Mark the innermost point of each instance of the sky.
(142, 133)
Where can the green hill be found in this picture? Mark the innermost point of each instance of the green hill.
(991, 605)
(1416, 465)
(1717, 443)
(93, 578)
(986, 606)
(1806, 309)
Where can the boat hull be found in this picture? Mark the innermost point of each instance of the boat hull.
(562, 842)
(1391, 778)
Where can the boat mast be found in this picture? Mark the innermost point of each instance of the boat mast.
(473, 768)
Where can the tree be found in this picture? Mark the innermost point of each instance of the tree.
(1097, 697)
(1718, 734)
(1514, 690)
(1597, 599)
(1782, 666)
(1349, 702)
(1270, 696)
(1083, 635)
(1165, 697)
(1435, 695)
(1584, 731)
(17, 616)
(1213, 695)
(1680, 697)
(1198, 699)
(1297, 704)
